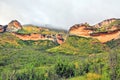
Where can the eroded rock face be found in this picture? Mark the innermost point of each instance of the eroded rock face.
(34, 36)
(14, 26)
(60, 39)
(107, 36)
(80, 30)
(112, 32)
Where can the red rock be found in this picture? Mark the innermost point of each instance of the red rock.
(14, 26)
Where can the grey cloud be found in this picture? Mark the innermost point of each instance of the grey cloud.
(61, 13)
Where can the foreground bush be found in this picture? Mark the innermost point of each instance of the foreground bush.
(65, 69)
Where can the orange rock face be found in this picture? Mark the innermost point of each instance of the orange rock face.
(35, 36)
(17, 24)
(60, 39)
(103, 37)
(31, 36)
(80, 30)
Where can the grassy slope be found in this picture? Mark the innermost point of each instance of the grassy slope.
(19, 55)
(22, 56)
(28, 29)
(79, 45)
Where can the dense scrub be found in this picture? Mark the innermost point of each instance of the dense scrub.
(45, 60)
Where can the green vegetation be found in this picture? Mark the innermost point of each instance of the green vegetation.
(105, 27)
(79, 45)
(115, 23)
(28, 29)
(79, 58)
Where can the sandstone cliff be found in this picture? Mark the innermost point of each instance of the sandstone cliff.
(80, 29)
(35, 36)
(110, 31)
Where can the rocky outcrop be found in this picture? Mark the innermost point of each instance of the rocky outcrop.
(113, 32)
(80, 30)
(105, 22)
(34, 36)
(106, 36)
(59, 38)
(14, 26)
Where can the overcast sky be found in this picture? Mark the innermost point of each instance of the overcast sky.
(61, 13)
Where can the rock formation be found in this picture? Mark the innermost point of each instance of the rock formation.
(80, 30)
(59, 38)
(14, 26)
(106, 36)
(105, 22)
(35, 36)
(113, 31)
(104, 31)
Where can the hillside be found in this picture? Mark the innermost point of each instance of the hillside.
(79, 45)
(29, 52)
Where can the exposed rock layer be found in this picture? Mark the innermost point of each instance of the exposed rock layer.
(58, 38)
(88, 31)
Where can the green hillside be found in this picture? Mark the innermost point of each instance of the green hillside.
(79, 58)
(28, 29)
(79, 45)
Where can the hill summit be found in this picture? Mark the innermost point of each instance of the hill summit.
(13, 26)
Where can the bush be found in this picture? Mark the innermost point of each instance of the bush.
(36, 74)
(65, 69)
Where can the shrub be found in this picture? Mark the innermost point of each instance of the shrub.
(36, 74)
(65, 69)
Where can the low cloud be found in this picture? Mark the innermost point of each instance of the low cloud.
(61, 13)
